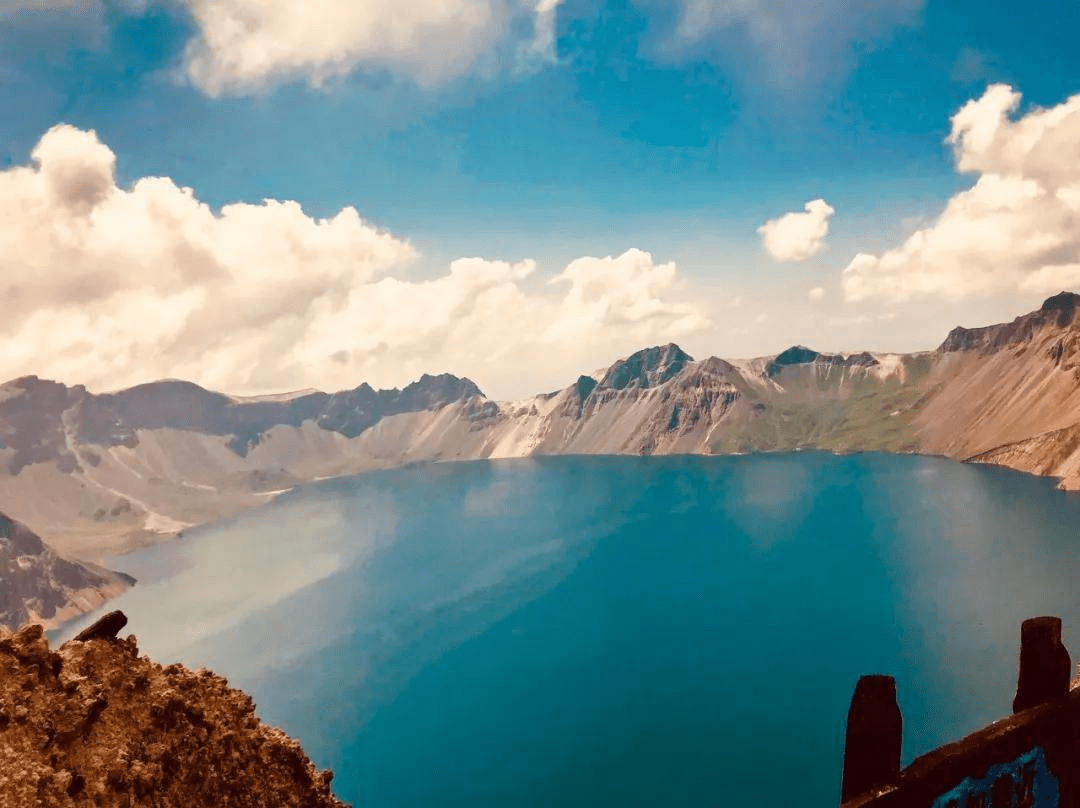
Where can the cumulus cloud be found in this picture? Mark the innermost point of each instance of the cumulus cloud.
(1016, 229)
(797, 236)
(245, 45)
(626, 292)
(110, 286)
(817, 293)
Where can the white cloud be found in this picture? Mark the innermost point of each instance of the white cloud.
(817, 293)
(111, 286)
(1016, 229)
(797, 236)
(245, 45)
(621, 293)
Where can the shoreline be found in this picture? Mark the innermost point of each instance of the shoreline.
(145, 539)
(112, 560)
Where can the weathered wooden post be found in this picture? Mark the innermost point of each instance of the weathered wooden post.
(875, 731)
(1044, 664)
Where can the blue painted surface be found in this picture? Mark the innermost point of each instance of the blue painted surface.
(1028, 779)
(617, 631)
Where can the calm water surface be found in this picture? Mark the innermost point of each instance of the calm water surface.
(624, 631)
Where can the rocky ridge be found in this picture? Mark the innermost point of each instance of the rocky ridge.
(92, 723)
(98, 473)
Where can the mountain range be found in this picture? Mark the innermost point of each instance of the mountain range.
(97, 474)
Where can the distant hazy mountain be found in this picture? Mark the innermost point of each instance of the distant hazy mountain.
(92, 473)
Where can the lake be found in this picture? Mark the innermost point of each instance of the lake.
(577, 631)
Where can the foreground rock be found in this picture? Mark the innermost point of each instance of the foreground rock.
(94, 724)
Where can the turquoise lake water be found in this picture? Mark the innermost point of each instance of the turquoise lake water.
(616, 631)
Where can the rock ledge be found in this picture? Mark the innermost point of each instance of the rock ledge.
(95, 724)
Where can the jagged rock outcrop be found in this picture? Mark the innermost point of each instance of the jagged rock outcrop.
(94, 724)
(38, 585)
(1058, 312)
(801, 355)
(647, 368)
(116, 418)
(105, 627)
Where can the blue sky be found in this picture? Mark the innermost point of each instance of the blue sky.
(587, 129)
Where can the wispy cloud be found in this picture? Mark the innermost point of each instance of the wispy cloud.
(790, 45)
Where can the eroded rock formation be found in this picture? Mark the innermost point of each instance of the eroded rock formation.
(94, 724)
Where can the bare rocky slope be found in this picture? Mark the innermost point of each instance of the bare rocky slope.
(94, 474)
(37, 585)
(94, 724)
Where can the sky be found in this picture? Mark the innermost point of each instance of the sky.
(271, 195)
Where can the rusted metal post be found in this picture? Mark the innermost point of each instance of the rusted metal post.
(875, 731)
(1044, 664)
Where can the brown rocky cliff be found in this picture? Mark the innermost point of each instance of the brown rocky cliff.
(95, 724)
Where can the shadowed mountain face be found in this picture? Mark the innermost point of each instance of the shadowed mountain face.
(97, 473)
(650, 367)
(1058, 312)
(38, 585)
(114, 419)
(31, 430)
(800, 355)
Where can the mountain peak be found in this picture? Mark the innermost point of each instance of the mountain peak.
(1059, 310)
(796, 355)
(443, 388)
(1062, 301)
(801, 355)
(649, 367)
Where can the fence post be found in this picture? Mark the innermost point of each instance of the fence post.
(1045, 666)
(874, 735)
